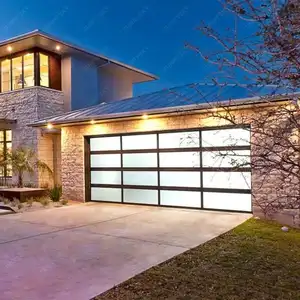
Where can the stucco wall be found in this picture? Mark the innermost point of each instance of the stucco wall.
(26, 106)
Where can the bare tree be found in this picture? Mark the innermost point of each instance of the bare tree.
(266, 57)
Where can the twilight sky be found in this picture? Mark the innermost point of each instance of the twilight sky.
(148, 34)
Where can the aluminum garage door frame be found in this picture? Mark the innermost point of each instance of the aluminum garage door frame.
(122, 152)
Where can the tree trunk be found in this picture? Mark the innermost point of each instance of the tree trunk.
(20, 180)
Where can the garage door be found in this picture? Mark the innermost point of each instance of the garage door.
(203, 168)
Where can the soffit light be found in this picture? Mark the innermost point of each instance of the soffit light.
(57, 47)
(145, 117)
(9, 48)
(49, 126)
(92, 122)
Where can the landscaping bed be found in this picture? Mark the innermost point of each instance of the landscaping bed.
(256, 260)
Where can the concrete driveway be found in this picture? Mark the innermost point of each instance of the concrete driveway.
(80, 251)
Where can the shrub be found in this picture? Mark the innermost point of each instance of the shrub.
(55, 193)
(15, 201)
(64, 202)
(30, 201)
(20, 206)
(6, 201)
(44, 201)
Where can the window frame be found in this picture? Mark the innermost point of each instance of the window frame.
(36, 68)
(5, 142)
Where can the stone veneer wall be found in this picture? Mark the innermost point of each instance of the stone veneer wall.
(26, 106)
(72, 165)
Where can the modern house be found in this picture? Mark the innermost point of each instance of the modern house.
(77, 110)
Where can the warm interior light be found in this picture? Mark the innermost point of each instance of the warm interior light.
(49, 126)
(9, 48)
(57, 47)
(145, 117)
(93, 122)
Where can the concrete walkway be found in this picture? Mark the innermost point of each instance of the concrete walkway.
(78, 252)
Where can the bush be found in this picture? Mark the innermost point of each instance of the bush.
(44, 201)
(30, 201)
(6, 201)
(20, 206)
(15, 201)
(64, 202)
(55, 193)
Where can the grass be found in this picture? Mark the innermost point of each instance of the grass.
(256, 260)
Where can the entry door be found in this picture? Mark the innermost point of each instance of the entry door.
(195, 168)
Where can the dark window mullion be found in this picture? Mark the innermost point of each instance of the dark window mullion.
(201, 166)
(158, 167)
(122, 172)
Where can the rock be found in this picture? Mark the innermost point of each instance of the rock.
(285, 229)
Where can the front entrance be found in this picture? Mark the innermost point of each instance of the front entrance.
(181, 168)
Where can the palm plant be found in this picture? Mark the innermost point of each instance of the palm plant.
(24, 160)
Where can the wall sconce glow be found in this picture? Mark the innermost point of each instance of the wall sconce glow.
(9, 48)
(57, 47)
(49, 126)
(145, 117)
(92, 122)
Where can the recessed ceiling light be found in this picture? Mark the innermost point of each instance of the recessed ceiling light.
(9, 48)
(57, 47)
(49, 126)
(145, 117)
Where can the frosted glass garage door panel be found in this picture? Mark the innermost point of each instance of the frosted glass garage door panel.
(105, 143)
(227, 180)
(105, 160)
(180, 198)
(105, 177)
(182, 179)
(106, 194)
(228, 159)
(141, 141)
(141, 196)
(179, 159)
(140, 178)
(140, 160)
(227, 201)
(179, 140)
(226, 137)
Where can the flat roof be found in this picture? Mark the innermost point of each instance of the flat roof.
(38, 38)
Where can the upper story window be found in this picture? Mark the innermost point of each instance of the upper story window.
(30, 69)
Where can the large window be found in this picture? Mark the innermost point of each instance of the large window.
(5, 147)
(30, 69)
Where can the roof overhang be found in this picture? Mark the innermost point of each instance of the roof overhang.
(186, 109)
(40, 39)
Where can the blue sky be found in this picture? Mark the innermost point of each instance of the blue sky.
(148, 34)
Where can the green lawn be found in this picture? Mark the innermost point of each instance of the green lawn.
(256, 260)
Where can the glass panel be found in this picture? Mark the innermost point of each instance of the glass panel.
(226, 137)
(105, 160)
(106, 194)
(105, 177)
(227, 180)
(105, 143)
(184, 179)
(140, 160)
(8, 146)
(224, 159)
(141, 196)
(29, 69)
(140, 178)
(8, 135)
(179, 159)
(17, 73)
(180, 198)
(147, 141)
(44, 70)
(227, 201)
(2, 135)
(5, 76)
(179, 140)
